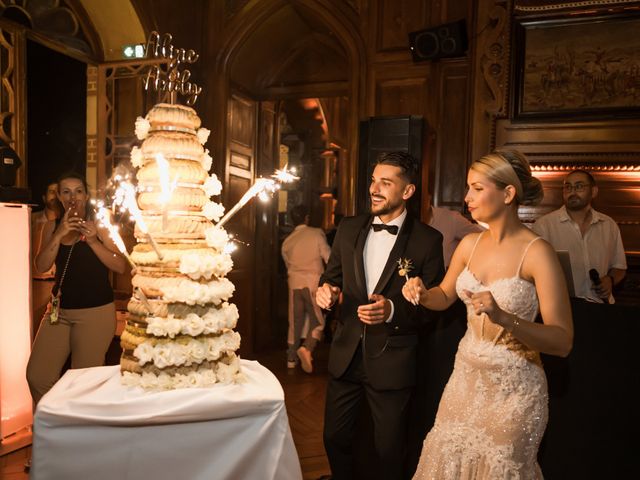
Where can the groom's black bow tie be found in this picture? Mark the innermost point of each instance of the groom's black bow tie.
(392, 229)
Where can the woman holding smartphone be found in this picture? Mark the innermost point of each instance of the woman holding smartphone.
(80, 320)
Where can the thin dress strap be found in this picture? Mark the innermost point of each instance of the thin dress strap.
(474, 248)
(524, 254)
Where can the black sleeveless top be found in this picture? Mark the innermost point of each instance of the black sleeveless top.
(86, 283)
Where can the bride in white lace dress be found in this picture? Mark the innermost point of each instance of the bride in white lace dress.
(493, 411)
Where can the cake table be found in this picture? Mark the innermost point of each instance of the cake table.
(90, 426)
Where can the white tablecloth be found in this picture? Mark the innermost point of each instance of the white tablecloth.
(89, 426)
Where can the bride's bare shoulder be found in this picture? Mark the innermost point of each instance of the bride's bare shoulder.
(468, 243)
(540, 257)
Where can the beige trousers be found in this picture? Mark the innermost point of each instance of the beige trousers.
(85, 333)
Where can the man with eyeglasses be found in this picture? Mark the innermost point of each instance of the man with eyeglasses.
(591, 238)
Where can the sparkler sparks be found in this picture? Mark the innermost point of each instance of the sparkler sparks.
(103, 215)
(125, 198)
(262, 188)
(104, 218)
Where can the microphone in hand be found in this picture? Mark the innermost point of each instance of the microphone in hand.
(595, 279)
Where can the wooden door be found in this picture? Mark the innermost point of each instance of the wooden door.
(266, 233)
(239, 176)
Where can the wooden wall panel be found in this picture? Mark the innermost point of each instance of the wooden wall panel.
(399, 90)
(395, 19)
(401, 96)
(450, 163)
(242, 121)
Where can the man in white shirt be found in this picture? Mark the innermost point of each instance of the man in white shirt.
(305, 252)
(52, 211)
(373, 355)
(591, 238)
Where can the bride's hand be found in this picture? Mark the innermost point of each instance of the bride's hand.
(483, 302)
(415, 291)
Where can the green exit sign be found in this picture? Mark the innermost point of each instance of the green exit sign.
(133, 51)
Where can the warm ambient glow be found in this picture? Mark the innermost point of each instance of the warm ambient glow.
(15, 322)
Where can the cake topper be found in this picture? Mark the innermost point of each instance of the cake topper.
(174, 80)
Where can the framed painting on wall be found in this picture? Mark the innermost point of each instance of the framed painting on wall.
(582, 68)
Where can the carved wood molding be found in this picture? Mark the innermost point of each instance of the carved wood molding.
(66, 22)
(610, 142)
(494, 63)
(8, 87)
(552, 6)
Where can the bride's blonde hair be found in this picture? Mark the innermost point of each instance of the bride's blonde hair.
(510, 167)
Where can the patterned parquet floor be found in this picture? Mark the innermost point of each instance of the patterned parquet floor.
(304, 399)
(304, 396)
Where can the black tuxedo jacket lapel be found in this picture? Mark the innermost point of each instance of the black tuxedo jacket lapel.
(358, 258)
(398, 248)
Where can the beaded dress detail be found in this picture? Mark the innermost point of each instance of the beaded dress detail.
(493, 411)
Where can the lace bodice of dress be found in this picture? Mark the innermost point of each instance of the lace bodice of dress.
(514, 295)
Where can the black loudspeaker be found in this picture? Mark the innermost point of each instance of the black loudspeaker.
(387, 134)
(445, 41)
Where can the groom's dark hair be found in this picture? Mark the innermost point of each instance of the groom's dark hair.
(406, 162)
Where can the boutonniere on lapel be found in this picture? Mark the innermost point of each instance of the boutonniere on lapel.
(404, 267)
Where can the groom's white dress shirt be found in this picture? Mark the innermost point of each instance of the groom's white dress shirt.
(376, 252)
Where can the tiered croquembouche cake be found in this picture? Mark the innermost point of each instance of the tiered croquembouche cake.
(187, 340)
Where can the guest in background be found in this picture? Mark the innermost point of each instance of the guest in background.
(41, 287)
(51, 212)
(305, 252)
(591, 238)
(451, 224)
(83, 321)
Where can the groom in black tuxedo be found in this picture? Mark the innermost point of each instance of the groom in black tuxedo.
(373, 353)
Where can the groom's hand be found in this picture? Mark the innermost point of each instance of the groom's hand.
(327, 295)
(375, 312)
